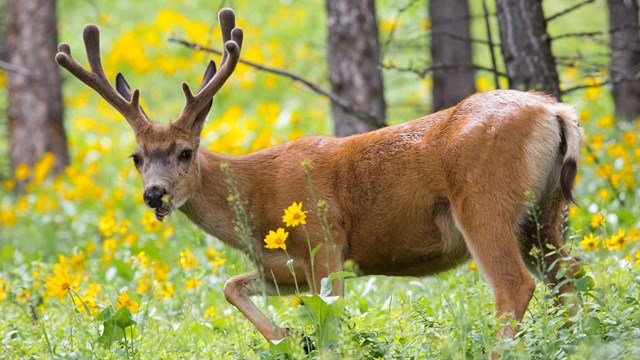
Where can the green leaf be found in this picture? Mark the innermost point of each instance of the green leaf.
(326, 285)
(106, 314)
(114, 324)
(314, 251)
(591, 325)
(110, 334)
(583, 284)
(123, 318)
(325, 312)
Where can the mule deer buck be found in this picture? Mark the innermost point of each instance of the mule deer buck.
(487, 179)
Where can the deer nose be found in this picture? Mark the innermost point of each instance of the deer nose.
(153, 196)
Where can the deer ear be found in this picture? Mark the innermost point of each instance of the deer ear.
(123, 88)
(198, 123)
(208, 74)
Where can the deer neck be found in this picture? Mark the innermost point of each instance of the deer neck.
(208, 206)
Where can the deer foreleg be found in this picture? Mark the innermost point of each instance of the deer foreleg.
(237, 291)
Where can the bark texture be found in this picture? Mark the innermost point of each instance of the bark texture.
(625, 57)
(449, 24)
(35, 101)
(354, 71)
(526, 47)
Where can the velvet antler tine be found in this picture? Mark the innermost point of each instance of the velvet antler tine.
(213, 80)
(127, 103)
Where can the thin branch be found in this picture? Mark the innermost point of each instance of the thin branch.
(586, 86)
(15, 68)
(578, 34)
(396, 21)
(423, 72)
(344, 105)
(568, 10)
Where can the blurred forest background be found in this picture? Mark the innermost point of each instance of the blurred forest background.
(69, 195)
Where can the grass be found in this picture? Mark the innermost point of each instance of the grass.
(92, 222)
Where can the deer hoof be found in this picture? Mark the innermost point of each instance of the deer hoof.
(307, 344)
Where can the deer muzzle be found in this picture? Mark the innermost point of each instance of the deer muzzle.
(154, 198)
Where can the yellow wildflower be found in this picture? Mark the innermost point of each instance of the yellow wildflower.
(107, 224)
(160, 271)
(42, 167)
(23, 296)
(149, 222)
(109, 248)
(604, 194)
(93, 290)
(211, 312)
(573, 211)
(596, 141)
(59, 284)
(472, 266)
(634, 234)
(165, 291)
(592, 92)
(8, 218)
(90, 303)
(296, 301)
(294, 216)
(629, 138)
(144, 284)
(143, 261)
(276, 239)
(192, 283)
(187, 260)
(22, 172)
(616, 242)
(590, 243)
(606, 121)
(211, 253)
(597, 220)
(124, 301)
(4, 288)
(9, 184)
(77, 262)
(637, 257)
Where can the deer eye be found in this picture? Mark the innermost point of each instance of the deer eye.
(136, 159)
(186, 155)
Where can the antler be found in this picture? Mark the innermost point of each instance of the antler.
(213, 81)
(122, 99)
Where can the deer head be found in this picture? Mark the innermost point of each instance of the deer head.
(166, 155)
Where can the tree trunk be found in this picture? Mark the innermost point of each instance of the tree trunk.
(35, 101)
(449, 24)
(625, 57)
(354, 70)
(526, 46)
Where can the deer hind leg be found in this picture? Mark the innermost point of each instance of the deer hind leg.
(550, 261)
(237, 291)
(491, 239)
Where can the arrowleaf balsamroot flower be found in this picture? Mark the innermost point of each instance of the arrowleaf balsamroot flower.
(125, 301)
(187, 260)
(597, 220)
(294, 216)
(276, 239)
(59, 284)
(590, 243)
(618, 241)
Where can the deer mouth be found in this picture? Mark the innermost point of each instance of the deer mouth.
(161, 212)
